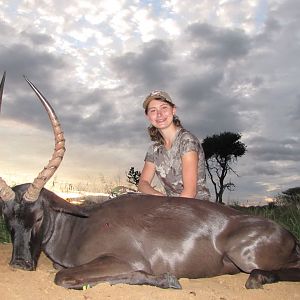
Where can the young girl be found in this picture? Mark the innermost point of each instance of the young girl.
(176, 156)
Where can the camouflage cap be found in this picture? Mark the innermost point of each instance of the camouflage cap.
(157, 95)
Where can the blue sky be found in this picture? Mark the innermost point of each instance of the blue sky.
(228, 65)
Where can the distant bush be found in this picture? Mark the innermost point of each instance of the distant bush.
(289, 197)
(133, 176)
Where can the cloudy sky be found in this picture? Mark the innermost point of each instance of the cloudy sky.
(229, 65)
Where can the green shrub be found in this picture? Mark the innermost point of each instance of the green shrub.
(4, 234)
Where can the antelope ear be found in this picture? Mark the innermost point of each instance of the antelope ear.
(69, 208)
(61, 205)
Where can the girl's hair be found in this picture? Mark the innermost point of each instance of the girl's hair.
(154, 133)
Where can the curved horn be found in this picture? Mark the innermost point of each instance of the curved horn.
(1, 88)
(6, 193)
(39, 182)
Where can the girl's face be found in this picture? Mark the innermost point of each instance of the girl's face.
(160, 114)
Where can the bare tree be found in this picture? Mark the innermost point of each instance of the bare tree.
(221, 151)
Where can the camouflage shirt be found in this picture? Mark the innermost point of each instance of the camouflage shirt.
(168, 164)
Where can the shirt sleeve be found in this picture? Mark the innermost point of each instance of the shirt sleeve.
(150, 155)
(189, 143)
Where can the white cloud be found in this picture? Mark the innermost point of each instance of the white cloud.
(229, 65)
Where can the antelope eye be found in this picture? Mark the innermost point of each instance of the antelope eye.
(39, 219)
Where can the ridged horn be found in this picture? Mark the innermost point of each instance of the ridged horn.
(1, 88)
(6, 193)
(39, 182)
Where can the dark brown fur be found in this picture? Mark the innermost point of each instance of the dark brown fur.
(140, 239)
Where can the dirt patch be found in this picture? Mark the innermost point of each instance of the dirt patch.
(23, 285)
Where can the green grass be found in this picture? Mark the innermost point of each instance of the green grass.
(4, 234)
(287, 216)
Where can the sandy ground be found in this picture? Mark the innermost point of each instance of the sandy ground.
(23, 285)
